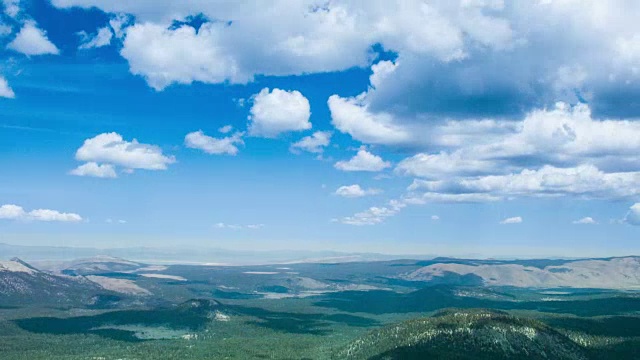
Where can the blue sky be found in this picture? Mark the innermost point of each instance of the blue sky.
(431, 127)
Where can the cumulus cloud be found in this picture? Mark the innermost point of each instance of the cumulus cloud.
(278, 111)
(32, 41)
(211, 145)
(165, 56)
(511, 220)
(100, 39)
(458, 58)
(297, 38)
(633, 216)
(5, 89)
(363, 161)
(354, 191)
(11, 7)
(95, 170)
(15, 212)
(435, 217)
(314, 143)
(111, 150)
(585, 221)
(351, 116)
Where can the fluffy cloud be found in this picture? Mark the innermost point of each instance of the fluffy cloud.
(211, 145)
(585, 221)
(11, 212)
(278, 111)
(633, 216)
(511, 220)
(95, 170)
(5, 89)
(15, 212)
(435, 217)
(296, 38)
(164, 56)
(32, 41)
(100, 39)
(458, 58)
(111, 149)
(314, 143)
(363, 161)
(351, 116)
(11, 7)
(353, 191)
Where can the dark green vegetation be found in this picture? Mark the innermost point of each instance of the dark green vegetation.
(465, 334)
(297, 311)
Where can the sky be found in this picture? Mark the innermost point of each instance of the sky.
(467, 127)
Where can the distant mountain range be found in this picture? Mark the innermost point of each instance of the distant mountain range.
(190, 255)
(611, 273)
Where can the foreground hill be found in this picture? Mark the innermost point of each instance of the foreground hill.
(465, 334)
(614, 273)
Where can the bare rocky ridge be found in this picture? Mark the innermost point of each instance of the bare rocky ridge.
(614, 273)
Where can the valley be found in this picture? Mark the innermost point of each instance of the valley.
(111, 308)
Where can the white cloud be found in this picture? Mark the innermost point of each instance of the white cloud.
(11, 7)
(314, 143)
(32, 41)
(444, 164)
(11, 212)
(53, 215)
(211, 145)
(95, 170)
(100, 39)
(374, 215)
(512, 220)
(222, 225)
(165, 56)
(583, 181)
(351, 116)
(5, 30)
(585, 221)
(363, 161)
(380, 71)
(5, 89)
(111, 149)
(111, 221)
(293, 38)
(633, 216)
(278, 111)
(15, 212)
(226, 129)
(435, 217)
(353, 191)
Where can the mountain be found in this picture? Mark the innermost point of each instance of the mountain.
(465, 334)
(95, 265)
(190, 255)
(612, 273)
(23, 284)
